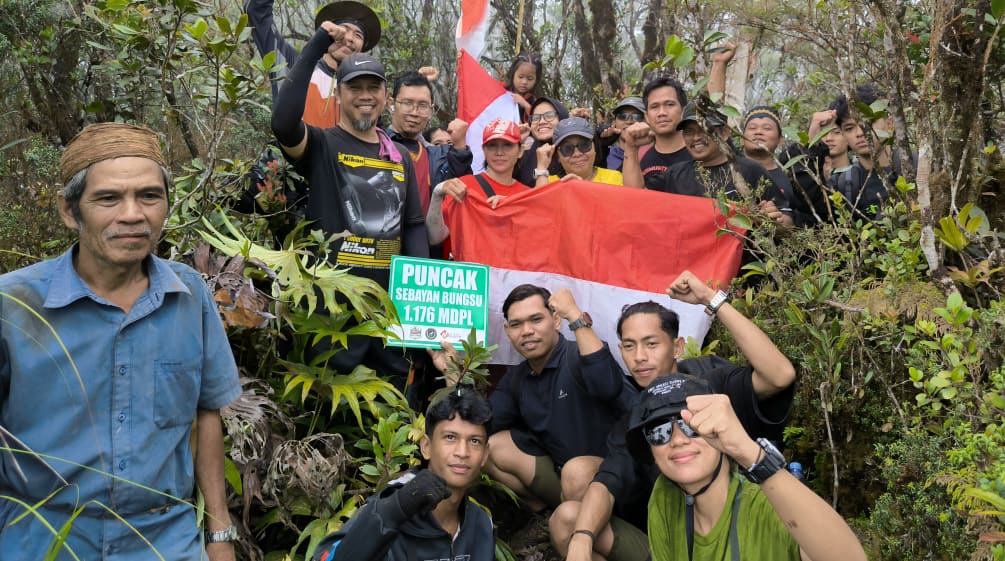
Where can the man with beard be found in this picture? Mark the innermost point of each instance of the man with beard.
(711, 173)
(359, 180)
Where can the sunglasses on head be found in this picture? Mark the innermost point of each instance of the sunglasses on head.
(629, 116)
(661, 432)
(569, 148)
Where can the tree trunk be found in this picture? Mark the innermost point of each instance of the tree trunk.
(605, 36)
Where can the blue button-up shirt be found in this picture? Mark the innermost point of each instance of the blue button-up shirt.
(106, 399)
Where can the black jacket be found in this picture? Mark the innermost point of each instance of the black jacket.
(374, 534)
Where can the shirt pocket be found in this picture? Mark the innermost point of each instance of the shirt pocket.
(176, 393)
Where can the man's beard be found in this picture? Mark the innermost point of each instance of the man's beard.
(363, 125)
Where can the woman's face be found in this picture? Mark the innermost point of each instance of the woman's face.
(543, 119)
(576, 154)
(501, 156)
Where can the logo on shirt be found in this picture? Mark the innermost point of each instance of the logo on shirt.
(562, 394)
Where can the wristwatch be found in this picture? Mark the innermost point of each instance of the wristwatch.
(541, 173)
(720, 298)
(228, 535)
(773, 461)
(584, 321)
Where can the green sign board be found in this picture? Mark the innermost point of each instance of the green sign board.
(438, 301)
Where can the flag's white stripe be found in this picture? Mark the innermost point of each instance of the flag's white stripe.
(502, 106)
(602, 301)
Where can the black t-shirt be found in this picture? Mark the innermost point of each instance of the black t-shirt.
(357, 186)
(655, 164)
(691, 178)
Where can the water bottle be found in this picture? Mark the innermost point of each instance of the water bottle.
(796, 469)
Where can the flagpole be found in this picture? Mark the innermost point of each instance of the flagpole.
(519, 28)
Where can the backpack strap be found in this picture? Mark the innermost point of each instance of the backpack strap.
(484, 183)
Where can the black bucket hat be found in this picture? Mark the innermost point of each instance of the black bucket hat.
(352, 12)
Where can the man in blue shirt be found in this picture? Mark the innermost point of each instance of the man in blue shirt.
(107, 356)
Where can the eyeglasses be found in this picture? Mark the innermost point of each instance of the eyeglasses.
(418, 106)
(659, 434)
(630, 116)
(568, 148)
(546, 116)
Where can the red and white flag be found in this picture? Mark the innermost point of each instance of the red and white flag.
(611, 246)
(480, 97)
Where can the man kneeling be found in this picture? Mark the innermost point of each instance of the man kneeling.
(426, 514)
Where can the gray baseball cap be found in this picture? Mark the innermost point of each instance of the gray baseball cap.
(359, 64)
(631, 101)
(572, 126)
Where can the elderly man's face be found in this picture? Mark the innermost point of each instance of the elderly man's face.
(122, 213)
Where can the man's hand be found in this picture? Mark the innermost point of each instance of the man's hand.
(713, 417)
(430, 72)
(690, 289)
(334, 30)
(221, 551)
(583, 112)
(610, 131)
(773, 213)
(637, 135)
(422, 493)
(569, 177)
(724, 53)
(821, 120)
(564, 305)
(544, 155)
(453, 187)
(443, 358)
(458, 131)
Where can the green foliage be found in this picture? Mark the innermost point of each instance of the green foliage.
(390, 450)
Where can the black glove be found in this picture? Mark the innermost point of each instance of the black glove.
(419, 495)
(422, 493)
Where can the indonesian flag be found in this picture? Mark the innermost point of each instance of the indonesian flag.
(611, 246)
(480, 97)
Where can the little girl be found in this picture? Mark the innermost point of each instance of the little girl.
(522, 79)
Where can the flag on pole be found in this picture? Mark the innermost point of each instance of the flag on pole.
(611, 246)
(480, 97)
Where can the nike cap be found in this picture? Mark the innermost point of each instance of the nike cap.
(359, 64)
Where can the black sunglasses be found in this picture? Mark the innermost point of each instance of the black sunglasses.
(661, 433)
(630, 116)
(568, 149)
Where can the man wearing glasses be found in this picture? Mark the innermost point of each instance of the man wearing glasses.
(629, 111)
(411, 108)
(610, 519)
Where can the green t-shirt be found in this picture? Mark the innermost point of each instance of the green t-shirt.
(762, 535)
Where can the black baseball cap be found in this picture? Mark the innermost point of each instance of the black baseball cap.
(348, 11)
(665, 398)
(359, 64)
(712, 118)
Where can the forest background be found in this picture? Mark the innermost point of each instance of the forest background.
(897, 327)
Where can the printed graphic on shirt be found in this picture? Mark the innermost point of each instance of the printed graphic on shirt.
(374, 197)
(367, 252)
(458, 558)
